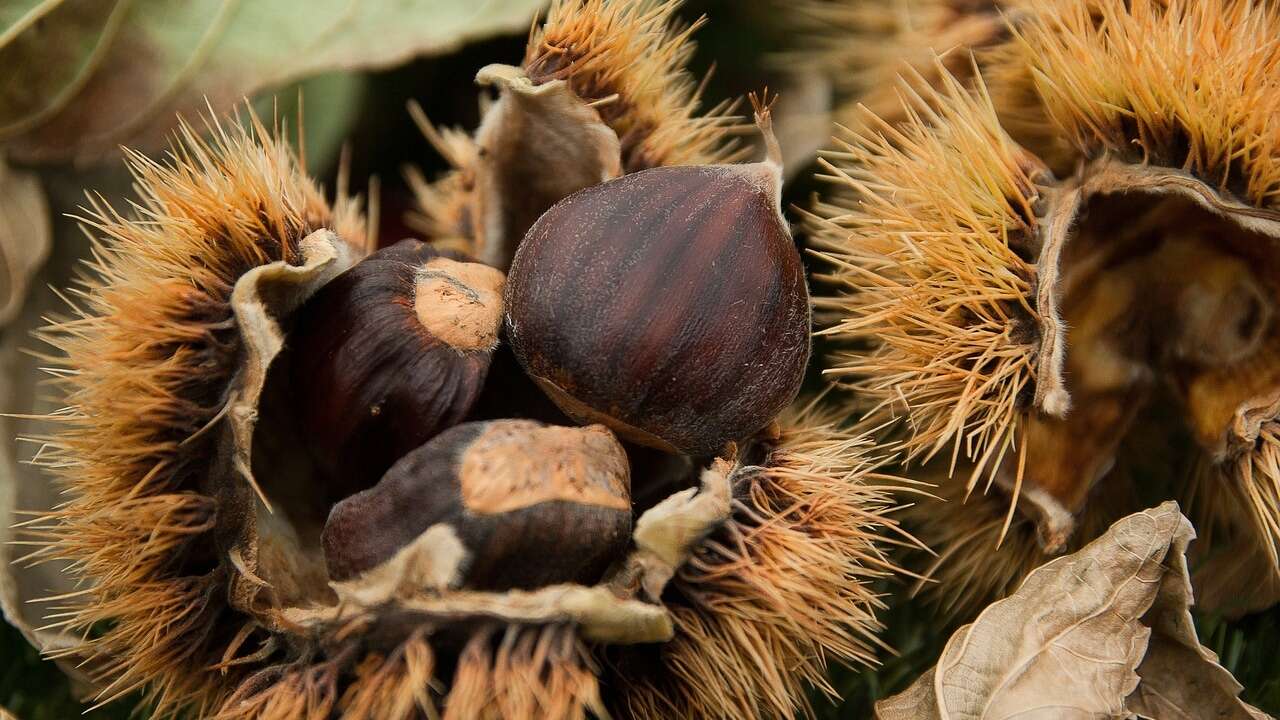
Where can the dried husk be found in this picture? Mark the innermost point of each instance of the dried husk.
(189, 520)
(602, 91)
(1103, 633)
(152, 345)
(537, 145)
(1028, 296)
(779, 590)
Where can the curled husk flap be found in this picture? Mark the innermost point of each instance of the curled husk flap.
(261, 549)
(1123, 644)
(602, 91)
(537, 144)
(1030, 307)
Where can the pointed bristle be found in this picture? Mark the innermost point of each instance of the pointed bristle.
(300, 692)
(628, 59)
(397, 686)
(1188, 84)
(864, 45)
(784, 588)
(525, 672)
(921, 235)
(443, 206)
(145, 359)
(1255, 483)
(978, 555)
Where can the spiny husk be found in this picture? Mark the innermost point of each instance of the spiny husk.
(145, 359)
(626, 60)
(923, 235)
(527, 673)
(1256, 480)
(444, 208)
(1188, 84)
(977, 559)
(782, 589)
(502, 672)
(952, 309)
(863, 46)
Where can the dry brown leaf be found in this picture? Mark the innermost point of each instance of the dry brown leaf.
(92, 74)
(1103, 633)
(25, 230)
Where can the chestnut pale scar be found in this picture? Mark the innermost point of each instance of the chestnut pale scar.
(460, 303)
(516, 465)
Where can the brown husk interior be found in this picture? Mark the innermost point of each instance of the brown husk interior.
(1164, 290)
(1105, 329)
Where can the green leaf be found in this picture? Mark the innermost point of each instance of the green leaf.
(52, 49)
(90, 75)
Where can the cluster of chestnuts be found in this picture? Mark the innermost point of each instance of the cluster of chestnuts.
(665, 310)
(544, 463)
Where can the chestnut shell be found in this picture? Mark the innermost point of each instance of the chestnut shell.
(370, 381)
(503, 487)
(669, 304)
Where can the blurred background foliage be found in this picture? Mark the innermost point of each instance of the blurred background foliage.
(354, 75)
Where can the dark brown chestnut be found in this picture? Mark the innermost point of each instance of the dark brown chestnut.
(527, 505)
(389, 354)
(669, 304)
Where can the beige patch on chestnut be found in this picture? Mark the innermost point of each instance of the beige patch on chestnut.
(460, 303)
(519, 464)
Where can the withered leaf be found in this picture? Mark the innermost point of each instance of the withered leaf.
(1103, 633)
(25, 235)
(84, 76)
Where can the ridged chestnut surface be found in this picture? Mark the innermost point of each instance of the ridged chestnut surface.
(389, 354)
(669, 304)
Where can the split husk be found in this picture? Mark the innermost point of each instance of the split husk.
(602, 91)
(1061, 267)
(191, 522)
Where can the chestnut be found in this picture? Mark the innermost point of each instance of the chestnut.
(387, 355)
(529, 504)
(669, 304)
